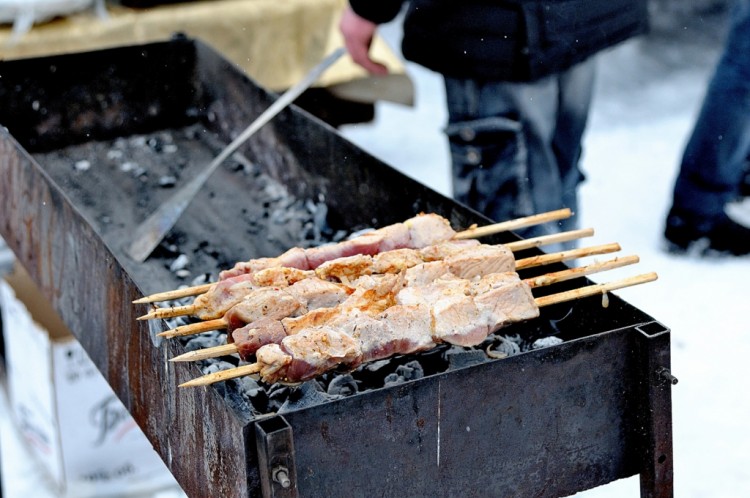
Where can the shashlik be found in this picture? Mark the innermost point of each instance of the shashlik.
(318, 349)
(375, 241)
(227, 293)
(463, 258)
(416, 232)
(447, 310)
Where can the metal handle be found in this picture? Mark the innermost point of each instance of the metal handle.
(149, 234)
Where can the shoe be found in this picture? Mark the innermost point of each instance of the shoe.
(721, 235)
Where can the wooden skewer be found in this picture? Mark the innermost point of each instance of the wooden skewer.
(231, 373)
(544, 240)
(171, 312)
(206, 353)
(582, 271)
(590, 290)
(558, 257)
(505, 226)
(593, 290)
(175, 294)
(194, 328)
(191, 309)
(543, 280)
(471, 233)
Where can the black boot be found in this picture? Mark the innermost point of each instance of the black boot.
(720, 235)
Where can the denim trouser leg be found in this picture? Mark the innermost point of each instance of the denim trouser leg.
(714, 159)
(515, 146)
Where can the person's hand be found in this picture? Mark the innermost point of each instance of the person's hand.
(358, 33)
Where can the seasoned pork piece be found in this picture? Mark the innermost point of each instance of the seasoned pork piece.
(395, 261)
(281, 302)
(344, 269)
(427, 294)
(481, 260)
(397, 330)
(254, 335)
(374, 295)
(454, 314)
(274, 361)
(293, 258)
(281, 276)
(505, 301)
(461, 314)
(392, 261)
(372, 299)
(428, 229)
(445, 249)
(270, 302)
(417, 232)
(309, 354)
(313, 293)
(223, 295)
(471, 262)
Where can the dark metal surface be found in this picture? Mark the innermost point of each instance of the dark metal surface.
(275, 444)
(545, 423)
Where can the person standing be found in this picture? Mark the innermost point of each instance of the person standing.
(519, 80)
(713, 163)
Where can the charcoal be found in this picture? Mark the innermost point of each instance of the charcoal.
(179, 263)
(167, 181)
(305, 395)
(404, 373)
(546, 342)
(277, 396)
(461, 357)
(82, 165)
(237, 400)
(343, 385)
(376, 365)
(216, 366)
(205, 340)
(505, 346)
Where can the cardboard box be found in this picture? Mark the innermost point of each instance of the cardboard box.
(66, 412)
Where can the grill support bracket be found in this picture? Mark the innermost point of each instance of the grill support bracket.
(274, 442)
(657, 474)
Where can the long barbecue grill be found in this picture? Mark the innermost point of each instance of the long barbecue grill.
(94, 141)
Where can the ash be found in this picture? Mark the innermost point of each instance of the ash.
(241, 213)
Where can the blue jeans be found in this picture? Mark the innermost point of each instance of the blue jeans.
(515, 146)
(713, 161)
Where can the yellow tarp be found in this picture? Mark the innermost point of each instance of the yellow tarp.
(275, 41)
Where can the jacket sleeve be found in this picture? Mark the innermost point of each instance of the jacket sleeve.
(377, 11)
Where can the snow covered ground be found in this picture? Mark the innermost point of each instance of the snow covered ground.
(648, 94)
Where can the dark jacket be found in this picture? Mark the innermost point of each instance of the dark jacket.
(507, 40)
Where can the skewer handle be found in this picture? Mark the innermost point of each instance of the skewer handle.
(527, 221)
(593, 290)
(558, 257)
(554, 238)
(582, 271)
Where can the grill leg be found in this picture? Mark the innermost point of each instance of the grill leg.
(657, 472)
